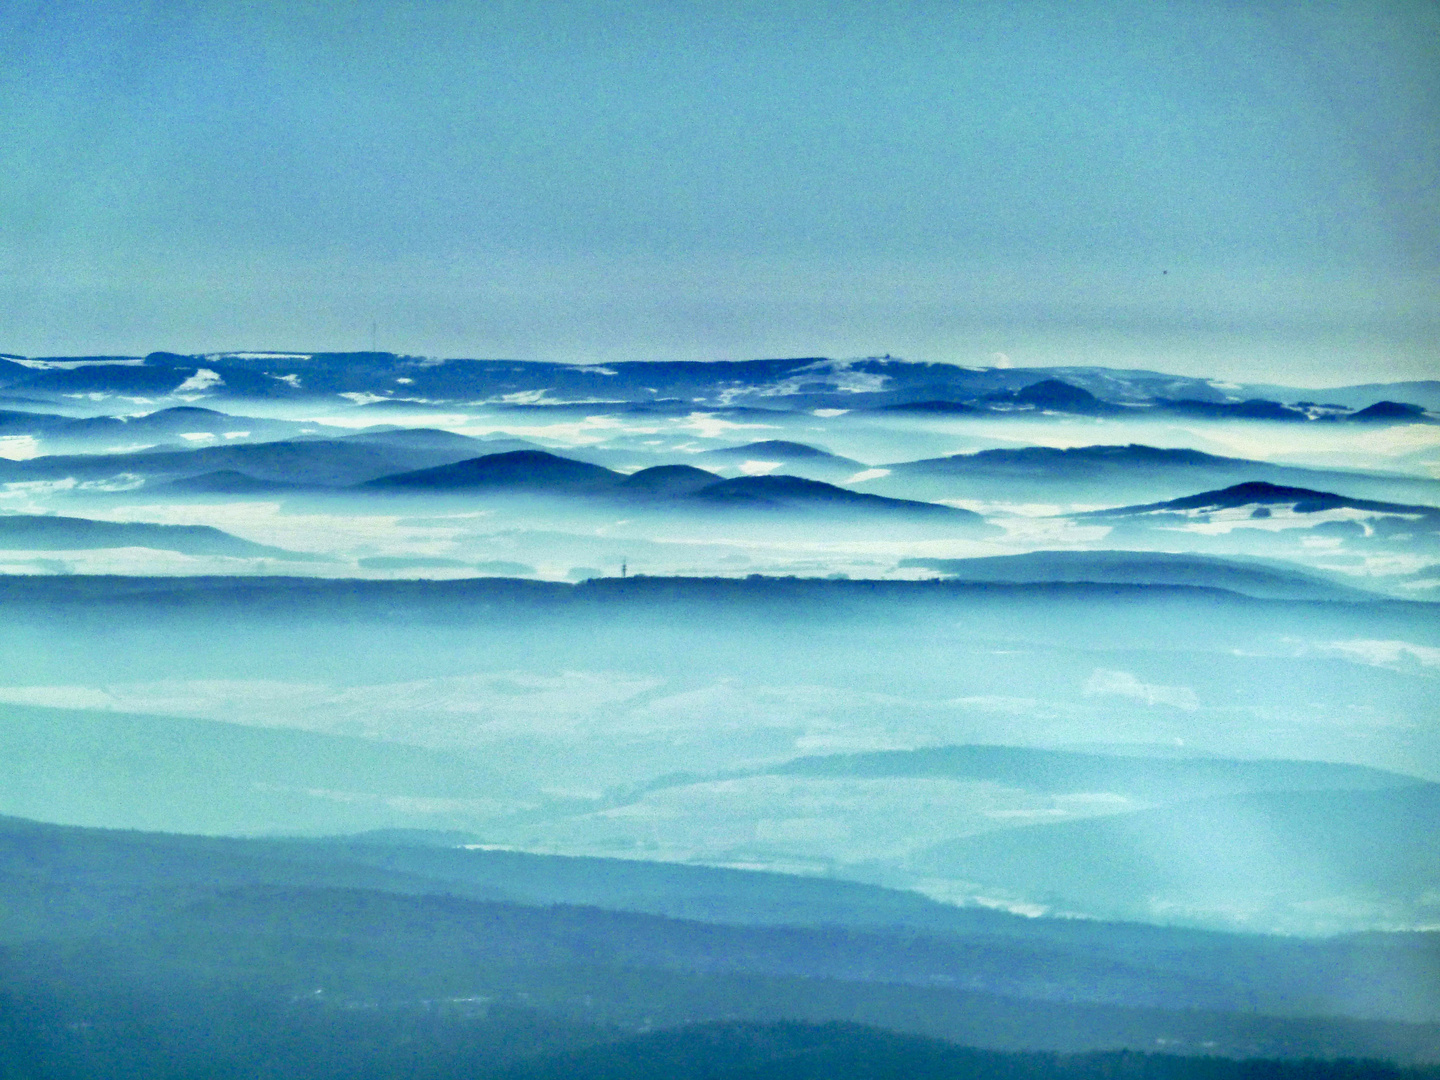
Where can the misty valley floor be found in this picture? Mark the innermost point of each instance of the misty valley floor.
(783, 718)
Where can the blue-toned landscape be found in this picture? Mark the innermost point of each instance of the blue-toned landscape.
(496, 711)
(631, 540)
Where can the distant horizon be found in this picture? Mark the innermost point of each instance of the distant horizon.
(1246, 191)
(589, 363)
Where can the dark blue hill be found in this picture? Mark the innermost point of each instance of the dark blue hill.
(1391, 412)
(669, 480)
(1253, 409)
(1108, 474)
(531, 471)
(1264, 493)
(1060, 396)
(740, 1050)
(1075, 461)
(392, 921)
(539, 472)
(793, 492)
(21, 422)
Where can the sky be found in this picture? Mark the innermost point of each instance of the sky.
(1241, 190)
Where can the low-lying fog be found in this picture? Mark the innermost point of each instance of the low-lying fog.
(592, 721)
(469, 533)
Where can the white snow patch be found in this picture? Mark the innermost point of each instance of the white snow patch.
(39, 488)
(71, 365)
(204, 379)
(122, 482)
(759, 468)
(19, 447)
(525, 397)
(258, 356)
(129, 448)
(867, 474)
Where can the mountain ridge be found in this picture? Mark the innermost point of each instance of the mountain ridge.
(796, 383)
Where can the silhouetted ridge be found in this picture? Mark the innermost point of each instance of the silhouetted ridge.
(1263, 493)
(1389, 410)
(517, 470)
(792, 1050)
(380, 920)
(669, 480)
(1253, 409)
(1072, 458)
(795, 491)
(1062, 396)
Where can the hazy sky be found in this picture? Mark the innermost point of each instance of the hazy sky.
(1245, 190)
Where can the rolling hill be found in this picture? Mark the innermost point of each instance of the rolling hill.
(796, 493)
(676, 487)
(46, 532)
(1228, 861)
(530, 471)
(321, 462)
(1105, 474)
(1260, 493)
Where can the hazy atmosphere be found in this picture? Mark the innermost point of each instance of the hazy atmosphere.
(661, 542)
(1242, 191)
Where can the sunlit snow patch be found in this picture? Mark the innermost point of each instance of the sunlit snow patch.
(867, 474)
(201, 382)
(19, 447)
(257, 356)
(759, 468)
